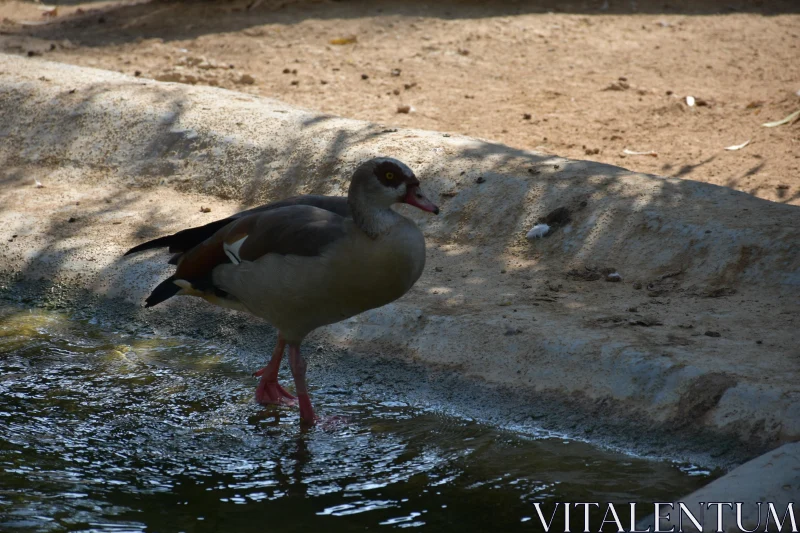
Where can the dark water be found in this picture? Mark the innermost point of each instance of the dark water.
(100, 431)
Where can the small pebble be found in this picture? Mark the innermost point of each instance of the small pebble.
(710, 333)
(480, 180)
(538, 231)
(617, 86)
(364, 77)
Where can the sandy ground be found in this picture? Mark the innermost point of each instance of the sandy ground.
(578, 79)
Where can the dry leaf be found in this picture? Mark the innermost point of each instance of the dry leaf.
(738, 146)
(344, 40)
(781, 122)
(37, 22)
(631, 152)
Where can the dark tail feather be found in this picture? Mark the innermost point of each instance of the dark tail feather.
(165, 290)
(161, 242)
(184, 240)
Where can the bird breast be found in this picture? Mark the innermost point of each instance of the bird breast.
(372, 273)
(298, 294)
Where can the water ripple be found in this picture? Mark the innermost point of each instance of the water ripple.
(105, 432)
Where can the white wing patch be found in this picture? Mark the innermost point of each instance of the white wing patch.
(232, 250)
(186, 288)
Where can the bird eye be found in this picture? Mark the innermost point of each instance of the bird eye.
(389, 175)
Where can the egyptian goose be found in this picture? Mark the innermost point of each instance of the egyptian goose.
(304, 263)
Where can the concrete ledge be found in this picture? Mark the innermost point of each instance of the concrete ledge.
(700, 339)
(772, 479)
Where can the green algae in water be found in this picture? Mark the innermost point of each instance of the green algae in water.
(102, 431)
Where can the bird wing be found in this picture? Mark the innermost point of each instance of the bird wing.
(301, 230)
(187, 239)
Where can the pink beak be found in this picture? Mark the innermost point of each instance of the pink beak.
(415, 197)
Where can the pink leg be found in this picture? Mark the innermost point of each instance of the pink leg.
(298, 366)
(268, 390)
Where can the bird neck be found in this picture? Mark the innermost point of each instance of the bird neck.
(372, 220)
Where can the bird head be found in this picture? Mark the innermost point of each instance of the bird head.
(386, 181)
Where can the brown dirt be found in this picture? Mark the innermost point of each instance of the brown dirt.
(572, 79)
